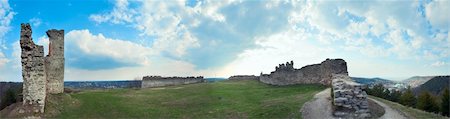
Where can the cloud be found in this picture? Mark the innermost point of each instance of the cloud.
(236, 35)
(371, 26)
(437, 14)
(3, 60)
(120, 14)
(278, 48)
(83, 41)
(6, 15)
(184, 32)
(439, 64)
(35, 22)
(43, 41)
(172, 33)
(399, 45)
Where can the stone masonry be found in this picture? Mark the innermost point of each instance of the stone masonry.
(41, 75)
(33, 70)
(349, 99)
(243, 77)
(158, 81)
(286, 74)
(54, 62)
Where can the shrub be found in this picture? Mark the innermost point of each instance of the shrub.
(445, 102)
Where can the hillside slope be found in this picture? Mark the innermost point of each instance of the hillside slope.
(434, 85)
(416, 81)
(371, 80)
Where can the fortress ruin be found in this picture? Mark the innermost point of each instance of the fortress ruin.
(41, 75)
(243, 77)
(158, 81)
(286, 74)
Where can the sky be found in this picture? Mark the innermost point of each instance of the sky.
(124, 40)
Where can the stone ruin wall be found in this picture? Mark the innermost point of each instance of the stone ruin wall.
(54, 62)
(158, 81)
(286, 74)
(244, 77)
(41, 75)
(349, 99)
(33, 70)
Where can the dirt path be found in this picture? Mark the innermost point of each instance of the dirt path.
(320, 108)
(389, 113)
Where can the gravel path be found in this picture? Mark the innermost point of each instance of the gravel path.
(389, 112)
(320, 108)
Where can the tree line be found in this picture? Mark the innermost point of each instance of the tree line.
(425, 101)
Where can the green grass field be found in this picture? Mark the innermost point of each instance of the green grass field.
(226, 99)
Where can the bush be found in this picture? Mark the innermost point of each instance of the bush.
(408, 98)
(427, 102)
(445, 102)
(8, 98)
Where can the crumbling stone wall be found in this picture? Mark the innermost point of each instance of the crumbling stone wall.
(54, 62)
(41, 75)
(243, 77)
(349, 99)
(286, 74)
(33, 70)
(158, 81)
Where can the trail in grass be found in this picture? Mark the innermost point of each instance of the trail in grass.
(389, 112)
(319, 107)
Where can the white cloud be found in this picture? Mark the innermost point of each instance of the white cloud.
(370, 28)
(168, 21)
(16, 55)
(3, 60)
(439, 64)
(120, 14)
(437, 13)
(399, 46)
(173, 44)
(35, 22)
(6, 15)
(275, 49)
(43, 41)
(121, 50)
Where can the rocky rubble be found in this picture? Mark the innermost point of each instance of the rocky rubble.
(349, 99)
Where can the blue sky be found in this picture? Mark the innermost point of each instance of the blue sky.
(121, 39)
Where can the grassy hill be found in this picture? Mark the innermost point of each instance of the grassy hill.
(410, 112)
(435, 85)
(371, 80)
(225, 99)
(416, 81)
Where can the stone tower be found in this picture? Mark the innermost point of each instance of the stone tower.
(41, 75)
(54, 62)
(33, 70)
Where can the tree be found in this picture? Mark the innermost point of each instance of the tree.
(445, 102)
(395, 96)
(427, 102)
(386, 94)
(408, 98)
(376, 90)
(9, 98)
